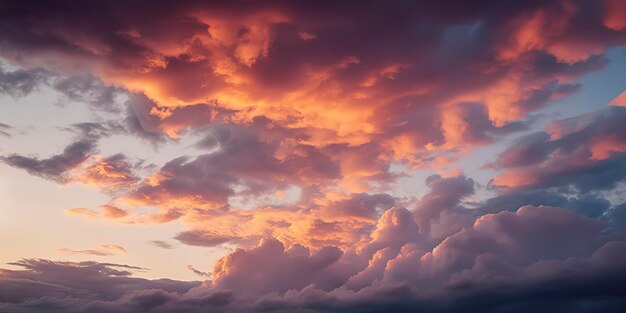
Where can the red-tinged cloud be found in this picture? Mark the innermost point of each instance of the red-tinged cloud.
(584, 152)
(254, 59)
(615, 15)
(343, 222)
(619, 100)
(243, 164)
(110, 174)
(105, 211)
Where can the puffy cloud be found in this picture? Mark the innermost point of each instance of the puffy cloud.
(276, 269)
(239, 163)
(511, 258)
(278, 60)
(444, 197)
(112, 174)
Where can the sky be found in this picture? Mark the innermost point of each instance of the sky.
(313, 156)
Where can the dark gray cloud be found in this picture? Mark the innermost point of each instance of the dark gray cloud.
(201, 238)
(161, 244)
(55, 167)
(4, 130)
(89, 90)
(21, 82)
(198, 272)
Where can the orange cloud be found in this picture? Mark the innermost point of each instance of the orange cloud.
(106, 211)
(101, 250)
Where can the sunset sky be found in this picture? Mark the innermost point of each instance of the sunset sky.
(313, 156)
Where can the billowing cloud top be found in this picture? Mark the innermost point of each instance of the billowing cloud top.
(372, 156)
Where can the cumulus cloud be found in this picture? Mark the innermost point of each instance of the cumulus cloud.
(517, 260)
(255, 60)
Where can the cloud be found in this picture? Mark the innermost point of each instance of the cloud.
(106, 211)
(91, 280)
(296, 265)
(584, 152)
(89, 90)
(101, 250)
(20, 83)
(112, 174)
(441, 205)
(55, 167)
(202, 239)
(620, 100)
(198, 272)
(161, 244)
(4, 128)
(532, 258)
(241, 163)
(279, 61)
(113, 212)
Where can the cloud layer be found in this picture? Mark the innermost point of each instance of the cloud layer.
(302, 134)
